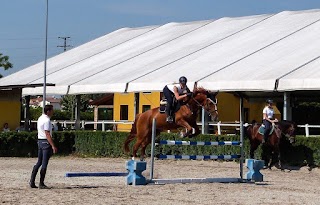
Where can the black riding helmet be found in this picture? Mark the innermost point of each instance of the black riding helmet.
(183, 80)
(269, 101)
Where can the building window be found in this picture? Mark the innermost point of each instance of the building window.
(124, 112)
(105, 113)
(145, 108)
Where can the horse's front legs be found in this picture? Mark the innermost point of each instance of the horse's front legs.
(186, 125)
(278, 162)
(196, 129)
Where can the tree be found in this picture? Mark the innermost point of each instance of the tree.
(68, 103)
(4, 62)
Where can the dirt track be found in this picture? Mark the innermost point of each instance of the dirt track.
(295, 187)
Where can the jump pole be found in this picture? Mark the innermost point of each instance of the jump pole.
(194, 180)
(241, 138)
(153, 147)
(96, 174)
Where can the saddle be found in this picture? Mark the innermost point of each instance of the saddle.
(163, 106)
(262, 128)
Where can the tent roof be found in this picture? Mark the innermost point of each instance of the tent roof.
(254, 53)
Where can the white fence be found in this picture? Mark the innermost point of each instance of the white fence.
(219, 125)
(307, 126)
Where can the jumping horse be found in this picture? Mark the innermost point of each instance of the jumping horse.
(185, 117)
(283, 130)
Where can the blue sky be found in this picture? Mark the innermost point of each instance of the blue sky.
(22, 30)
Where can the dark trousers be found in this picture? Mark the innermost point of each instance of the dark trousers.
(267, 128)
(169, 96)
(44, 154)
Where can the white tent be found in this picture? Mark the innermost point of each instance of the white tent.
(255, 53)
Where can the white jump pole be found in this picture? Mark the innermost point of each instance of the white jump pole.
(241, 138)
(153, 147)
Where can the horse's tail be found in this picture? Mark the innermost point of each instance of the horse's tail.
(131, 136)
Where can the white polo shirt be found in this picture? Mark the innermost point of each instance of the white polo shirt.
(268, 111)
(43, 124)
(180, 90)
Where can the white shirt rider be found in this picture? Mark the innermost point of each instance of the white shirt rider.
(268, 113)
(180, 88)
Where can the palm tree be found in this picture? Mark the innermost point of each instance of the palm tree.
(4, 62)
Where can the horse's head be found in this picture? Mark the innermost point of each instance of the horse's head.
(288, 129)
(207, 100)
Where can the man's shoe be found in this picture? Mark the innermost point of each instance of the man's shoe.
(169, 119)
(32, 185)
(43, 186)
(33, 177)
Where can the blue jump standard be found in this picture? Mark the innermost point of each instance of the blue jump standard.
(254, 166)
(135, 169)
(97, 174)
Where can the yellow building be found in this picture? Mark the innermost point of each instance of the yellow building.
(124, 106)
(228, 107)
(10, 106)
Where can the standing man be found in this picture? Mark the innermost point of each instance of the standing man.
(45, 147)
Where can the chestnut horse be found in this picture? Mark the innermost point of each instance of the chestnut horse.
(185, 117)
(271, 149)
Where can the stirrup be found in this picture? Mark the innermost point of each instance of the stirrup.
(169, 119)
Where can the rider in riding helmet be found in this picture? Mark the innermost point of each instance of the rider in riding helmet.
(175, 90)
(268, 119)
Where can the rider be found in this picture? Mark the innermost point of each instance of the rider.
(178, 91)
(268, 119)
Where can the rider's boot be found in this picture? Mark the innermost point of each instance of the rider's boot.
(169, 118)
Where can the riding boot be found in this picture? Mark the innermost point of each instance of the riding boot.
(264, 139)
(42, 176)
(33, 177)
(169, 117)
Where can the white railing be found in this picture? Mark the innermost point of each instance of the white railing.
(104, 122)
(307, 126)
(219, 125)
(64, 123)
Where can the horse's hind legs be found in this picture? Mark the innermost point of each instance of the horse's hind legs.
(135, 148)
(253, 147)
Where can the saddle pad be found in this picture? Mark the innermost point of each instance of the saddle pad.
(162, 108)
(261, 130)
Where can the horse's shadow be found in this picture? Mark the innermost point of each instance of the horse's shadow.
(79, 187)
(293, 157)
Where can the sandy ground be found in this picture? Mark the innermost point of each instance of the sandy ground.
(289, 187)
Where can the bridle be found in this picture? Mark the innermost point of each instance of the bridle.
(289, 134)
(203, 107)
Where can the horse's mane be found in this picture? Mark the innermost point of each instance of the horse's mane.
(285, 124)
(200, 90)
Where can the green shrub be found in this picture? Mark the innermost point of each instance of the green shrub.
(24, 144)
(110, 144)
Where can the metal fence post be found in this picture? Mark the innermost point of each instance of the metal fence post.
(153, 147)
(307, 130)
